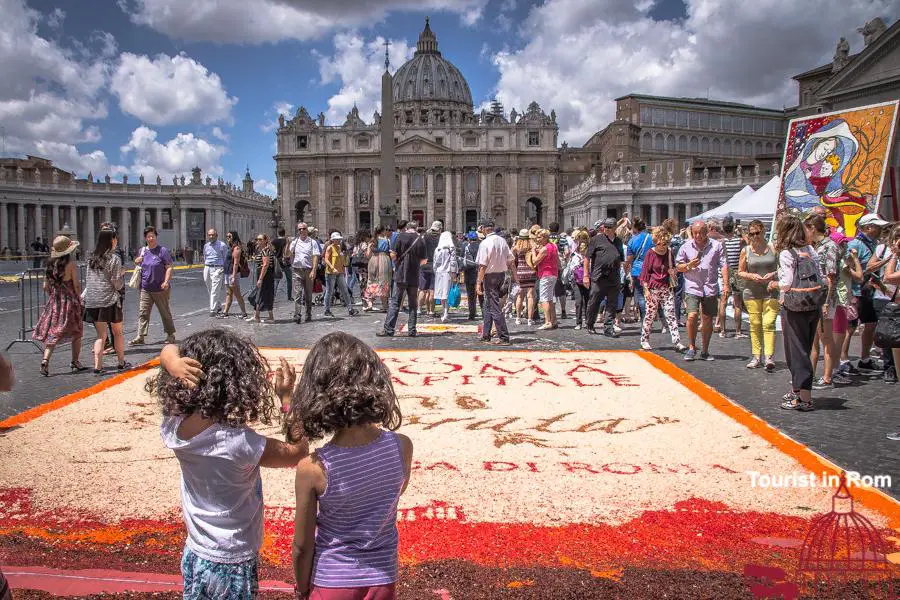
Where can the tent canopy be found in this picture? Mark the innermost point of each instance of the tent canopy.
(747, 206)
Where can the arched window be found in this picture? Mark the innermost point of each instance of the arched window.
(439, 182)
(659, 142)
(759, 148)
(498, 183)
(779, 148)
(336, 185)
(748, 148)
(417, 181)
(646, 141)
(769, 148)
(726, 148)
(682, 143)
(670, 142)
(471, 182)
(695, 144)
(704, 145)
(716, 146)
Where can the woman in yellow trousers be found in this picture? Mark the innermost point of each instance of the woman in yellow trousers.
(758, 266)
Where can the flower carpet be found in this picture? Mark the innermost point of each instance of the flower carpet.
(536, 475)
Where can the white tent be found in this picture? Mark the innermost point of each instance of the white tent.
(748, 206)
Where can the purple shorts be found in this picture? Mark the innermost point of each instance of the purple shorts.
(375, 592)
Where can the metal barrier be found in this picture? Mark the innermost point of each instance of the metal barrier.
(31, 302)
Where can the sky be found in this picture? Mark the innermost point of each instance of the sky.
(160, 86)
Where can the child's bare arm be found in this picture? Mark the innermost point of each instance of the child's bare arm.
(288, 453)
(187, 370)
(406, 451)
(308, 484)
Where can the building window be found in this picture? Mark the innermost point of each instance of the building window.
(715, 122)
(534, 138)
(670, 118)
(694, 119)
(682, 118)
(758, 126)
(704, 145)
(659, 116)
(303, 183)
(471, 182)
(498, 183)
(498, 142)
(759, 148)
(695, 144)
(534, 181)
(704, 120)
(670, 142)
(682, 143)
(302, 142)
(726, 148)
(364, 183)
(726, 122)
(671, 166)
(716, 146)
(335, 144)
(748, 149)
(643, 169)
(748, 125)
(439, 182)
(362, 142)
(769, 148)
(779, 148)
(685, 165)
(646, 141)
(439, 141)
(470, 141)
(659, 142)
(417, 183)
(646, 115)
(336, 185)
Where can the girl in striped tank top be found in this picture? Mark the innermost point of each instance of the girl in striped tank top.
(345, 533)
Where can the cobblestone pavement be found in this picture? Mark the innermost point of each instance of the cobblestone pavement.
(848, 427)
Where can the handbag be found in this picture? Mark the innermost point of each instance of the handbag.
(673, 277)
(135, 281)
(887, 331)
(253, 297)
(454, 296)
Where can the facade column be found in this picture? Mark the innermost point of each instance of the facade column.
(72, 219)
(182, 229)
(512, 199)
(485, 205)
(90, 231)
(142, 219)
(4, 225)
(404, 195)
(39, 222)
(322, 210)
(376, 199)
(429, 198)
(458, 190)
(157, 222)
(107, 214)
(352, 215)
(20, 228)
(604, 210)
(449, 216)
(125, 226)
(654, 215)
(54, 220)
(550, 194)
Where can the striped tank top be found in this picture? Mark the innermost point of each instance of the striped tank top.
(356, 533)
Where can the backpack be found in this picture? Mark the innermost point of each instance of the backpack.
(607, 262)
(243, 266)
(468, 261)
(574, 269)
(562, 251)
(808, 289)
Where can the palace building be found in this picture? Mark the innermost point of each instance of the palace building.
(451, 165)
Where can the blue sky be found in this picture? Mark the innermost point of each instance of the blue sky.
(156, 86)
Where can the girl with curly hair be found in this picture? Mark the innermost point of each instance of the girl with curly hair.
(345, 535)
(211, 389)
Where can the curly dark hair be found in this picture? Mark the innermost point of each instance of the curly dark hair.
(344, 383)
(235, 390)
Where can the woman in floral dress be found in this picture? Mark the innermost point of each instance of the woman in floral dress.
(379, 282)
(61, 317)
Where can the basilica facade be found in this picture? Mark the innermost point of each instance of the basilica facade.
(451, 164)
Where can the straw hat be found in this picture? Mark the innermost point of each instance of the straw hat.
(63, 245)
(523, 234)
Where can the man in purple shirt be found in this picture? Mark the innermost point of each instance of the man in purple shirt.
(156, 274)
(700, 260)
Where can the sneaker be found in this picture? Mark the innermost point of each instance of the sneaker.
(740, 336)
(754, 363)
(577, 327)
(890, 375)
(530, 322)
(868, 364)
(412, 334)
(617, 329)
(545, 326)
(383, 333)
(690, 355)
(707, 356)
(894, 437)
(518, 321)
(848, 368)
(821, 384)
(170, 339)
(611, 333)
(353, 312)
(138, 341)
(646, 346)
(328, 313)
(680, 348)
(838, 378)
(298, 320)
(724, 334)
(591, 331)
(770, 364)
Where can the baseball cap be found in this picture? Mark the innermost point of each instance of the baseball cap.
(871, 219)
(436, 226)
(336, 236)
(610, 223)
(598, 223)
(486, 223)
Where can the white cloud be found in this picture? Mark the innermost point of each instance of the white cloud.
(170, 89)
(175, 157)
(279, 108)
(578, 55)
(219, 134)
(269, 21)
(264, 186)
(357, 66)
(55, 19)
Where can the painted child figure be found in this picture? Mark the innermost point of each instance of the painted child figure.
(210, 390)
(345, 534)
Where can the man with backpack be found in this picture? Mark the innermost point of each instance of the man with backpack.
(865, 243)
(604, 258)
(409, 255)
(469, 264)
(303, 253)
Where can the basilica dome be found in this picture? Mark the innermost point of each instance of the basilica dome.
(429, 77)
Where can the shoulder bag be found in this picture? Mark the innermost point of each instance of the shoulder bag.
(887, 331)
(135, 281)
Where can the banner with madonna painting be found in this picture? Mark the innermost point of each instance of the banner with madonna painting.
(837, 161)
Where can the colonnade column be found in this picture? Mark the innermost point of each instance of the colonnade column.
(125, 236)
(182, 229)
(90, 231)
(107, 214)
(351, 205)
(54, 220)
(429, 197)
(654, 215)
(4, 226)
(512, 199)
(142, 219)
(39, 222)
(322, 211)
(485, 205)
(459, 222)
(20, 227)
(404, 195)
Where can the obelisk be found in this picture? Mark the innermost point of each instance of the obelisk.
(386, 181)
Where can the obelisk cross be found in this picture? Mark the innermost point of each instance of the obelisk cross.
(387, 60)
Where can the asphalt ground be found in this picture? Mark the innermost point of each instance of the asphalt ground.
(848, 426)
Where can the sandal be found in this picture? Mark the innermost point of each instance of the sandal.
(45, 368)
(123, 366)
(77, 367)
